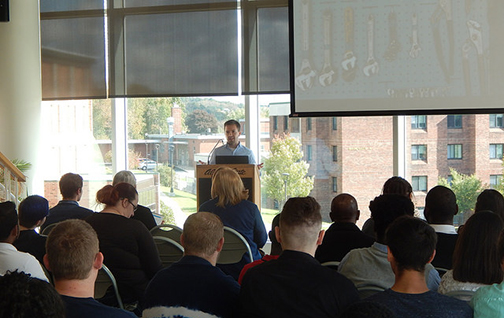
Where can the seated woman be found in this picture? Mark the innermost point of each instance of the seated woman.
(476, 261)
(229, 202)
(128, 248)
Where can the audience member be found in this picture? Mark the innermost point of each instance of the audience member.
(10, 258)
(229, 202)
(32, 213)
(295, 284)
(22, 296)
(476, 260)
(129, 249)
(440, 208)
(276, 249)
(393, 185)
(367, 309)
(70, 186)
(487, 301)
(343, 235)
(369, 266)
(411, 245)
(142, 213)
(73, 257)
(194, 287)
(490, 199)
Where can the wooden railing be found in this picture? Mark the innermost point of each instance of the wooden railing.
(12, 181)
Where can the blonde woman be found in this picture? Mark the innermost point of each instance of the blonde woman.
(229, 202)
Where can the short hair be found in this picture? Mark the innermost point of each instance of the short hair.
(24, 296)
(397, 185)
(300, 218)
(110, 195)
(202, 232)
(476, 257)
(490, 199)
(8, 219)
(386, 208)
(233, 122)
(441, 204)
(69, 184)
(228, 187)
(124, 176)
(344, 207)
(412, 242)
(32, 209)
(71, 249)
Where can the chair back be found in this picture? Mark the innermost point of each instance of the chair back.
(441, 271)
(104, 281)
(167, 230)
(48, 229)
(169, 250)
(465, 295)
(235, 246)
(366, 291)
(331, 264)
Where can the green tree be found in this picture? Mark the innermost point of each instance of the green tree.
(466, 189)
(148, 116)
(237, 114)
(199, 121)
(102, 118)
(285, 158)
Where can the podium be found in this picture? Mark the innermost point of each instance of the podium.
(248, 173)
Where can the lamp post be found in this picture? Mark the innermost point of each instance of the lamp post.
(171, 148)
(285, 177)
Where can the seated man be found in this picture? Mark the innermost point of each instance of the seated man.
(369, 266)
(295, 284)
(32, 213)
(343, 235)
(10, 258)
(70, 185)
(74, 259)
(194, 287)
(440, 208)
(411, 245)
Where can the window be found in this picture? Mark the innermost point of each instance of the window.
(309, 153)
(334, 184)
(419, 183)
(419, 122)
(275, 122)
(334, 123)
(496, 151)
(496, 121)
(455, 151)
(418, 152)
(308, 124)
(286, 123)
(495, 180)
(454, 121)
(334, 153)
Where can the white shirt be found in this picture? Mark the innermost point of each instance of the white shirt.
(444, 228)
(11, 259)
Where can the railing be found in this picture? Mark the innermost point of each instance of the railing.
(12, 181)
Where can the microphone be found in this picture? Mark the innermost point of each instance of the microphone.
(213, 149)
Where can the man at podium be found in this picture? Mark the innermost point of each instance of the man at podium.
(233, 147)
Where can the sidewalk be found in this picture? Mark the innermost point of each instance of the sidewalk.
(180, 216)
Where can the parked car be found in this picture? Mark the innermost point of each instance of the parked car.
(147, 165)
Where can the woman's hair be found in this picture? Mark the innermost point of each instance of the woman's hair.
(110, 195)
(124, 176)
(492, 200)
(397, 185)
(476, 258)
(228, 187)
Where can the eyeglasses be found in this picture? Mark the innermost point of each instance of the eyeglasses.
(135, 207)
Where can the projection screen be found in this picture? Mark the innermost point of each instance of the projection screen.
(359, 57)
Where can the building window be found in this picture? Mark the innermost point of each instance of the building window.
(454, 121)
(308, 124)
(496, 151)
(334, 123)
(334, 153)
(286, 123)
(419, 152)
(496, 120)
(455, 151)
(295, 124)
(334, 184)
(450, 179)
(419, 183)
(309, 153)
(275, 123)
(495, 180)
(419, 122)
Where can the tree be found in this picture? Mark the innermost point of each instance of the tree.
(199, 121)
(466, 189)
(148, 116)
(102, 118)
(285, 158)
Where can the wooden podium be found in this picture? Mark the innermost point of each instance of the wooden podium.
(248, 173)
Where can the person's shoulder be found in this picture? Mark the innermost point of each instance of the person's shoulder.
(89, 307)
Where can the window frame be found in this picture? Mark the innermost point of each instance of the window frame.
(452, 155)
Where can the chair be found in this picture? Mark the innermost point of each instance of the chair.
(169, 250)
(465, 295)
(48, 229)
(366, 291)
(441, 271)
(167, 230)
(103, 283)
(331, 264)
(235, 246)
